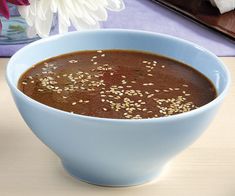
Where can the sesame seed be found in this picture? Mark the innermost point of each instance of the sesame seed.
(151, 95)
(185, 85)
(73, 61)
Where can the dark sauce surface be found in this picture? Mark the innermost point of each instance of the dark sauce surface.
(117, 84)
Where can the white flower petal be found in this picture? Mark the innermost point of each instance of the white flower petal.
(24, 11)
(54, 6)
(115, 5)
(43, 7)
(45, 26)
(33, 7)
(79, 24)
(100, 14)
(63, 26)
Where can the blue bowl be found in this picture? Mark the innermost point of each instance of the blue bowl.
(115, 152)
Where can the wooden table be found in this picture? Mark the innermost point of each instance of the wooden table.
(29, 168)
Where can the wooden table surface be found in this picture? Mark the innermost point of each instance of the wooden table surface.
(29, 168)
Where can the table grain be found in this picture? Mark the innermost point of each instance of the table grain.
(29, 168)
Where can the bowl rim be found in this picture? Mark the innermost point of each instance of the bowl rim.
(199, 110)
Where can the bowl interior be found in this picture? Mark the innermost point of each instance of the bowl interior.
(183, 51)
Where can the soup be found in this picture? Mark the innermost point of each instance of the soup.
(117, 84)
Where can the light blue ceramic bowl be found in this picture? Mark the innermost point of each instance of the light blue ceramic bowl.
(109, 151)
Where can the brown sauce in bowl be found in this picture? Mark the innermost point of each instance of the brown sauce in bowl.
(117, 84)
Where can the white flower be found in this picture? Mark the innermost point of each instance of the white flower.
(82, 14)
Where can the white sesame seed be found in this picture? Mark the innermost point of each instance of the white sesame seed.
(73, 61)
